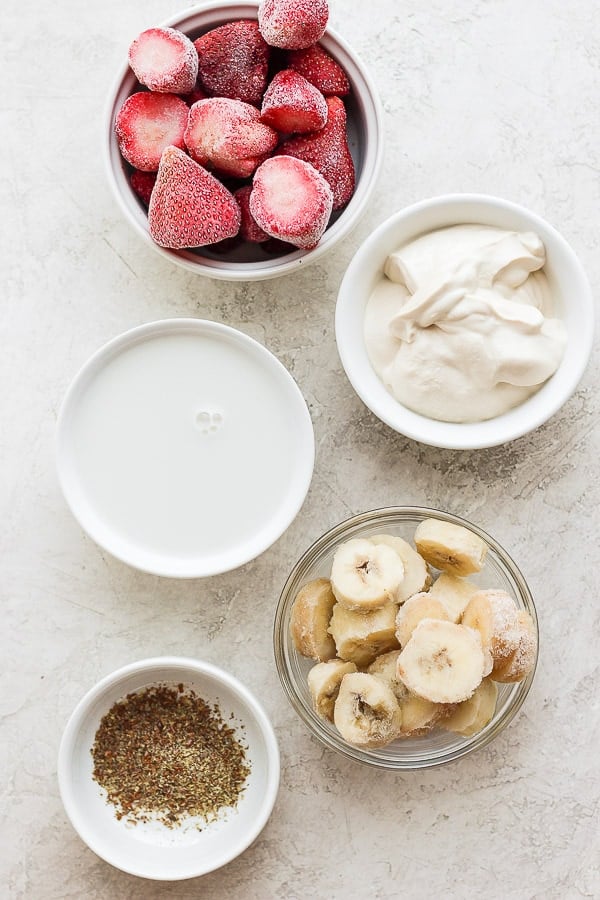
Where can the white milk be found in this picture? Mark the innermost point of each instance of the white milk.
(189, 444)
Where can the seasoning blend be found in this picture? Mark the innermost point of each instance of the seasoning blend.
(164, 754)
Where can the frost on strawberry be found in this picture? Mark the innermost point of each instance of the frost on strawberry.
(227, 136)
(164, 60)
(327, 150)
(292, 24)
(233, 61)
(321, 69)
(292, 105)
(189, 207)
(291, 201)
(146, 124)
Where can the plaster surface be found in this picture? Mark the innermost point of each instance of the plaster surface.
(498, 96)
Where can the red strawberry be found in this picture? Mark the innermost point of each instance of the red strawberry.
(292, 24)
(290, 200)
(249, 230)
(189, 207)
(143, 183)
(328, 152)
(292, 105)
(195, 95)
(321, 69)
(228, 136)
(233, 61)
(146, 124)
(164, 60)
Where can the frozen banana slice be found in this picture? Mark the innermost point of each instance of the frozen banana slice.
(366, 713)
(442, 662)
(419, 715)
(418, 607)
(522, 660)
(360, 637)
(494, 614)
(451, 548)
(365, 576)
(324, 681)
(416, 574)
(454, 592)
(311, 614)
(385, 668)
(473, 714)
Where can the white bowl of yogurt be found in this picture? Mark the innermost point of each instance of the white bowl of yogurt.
(464, 321)
(184, 448)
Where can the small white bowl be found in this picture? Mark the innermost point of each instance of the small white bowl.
(150, 850)
(250, 262)
(569, 286)
(184, 448)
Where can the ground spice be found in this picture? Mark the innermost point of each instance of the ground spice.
(164, 754)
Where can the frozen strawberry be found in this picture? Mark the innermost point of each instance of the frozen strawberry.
(143, 183)
(291, 201)
(292, 24)
(146, 124)
(164, 60)
(327, 150)
(197, 94)
(321, 69)
(228, 136)
(189, 207)
(249, 230)
(233, 61)
(292, 105)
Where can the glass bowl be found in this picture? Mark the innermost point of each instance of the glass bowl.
(438, 746)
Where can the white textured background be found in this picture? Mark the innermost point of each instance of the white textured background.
(490, 95)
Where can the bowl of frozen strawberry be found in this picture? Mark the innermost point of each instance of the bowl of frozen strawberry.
(243, 140)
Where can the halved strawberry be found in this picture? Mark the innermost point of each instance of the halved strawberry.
(321, 69)
(228, 136)
(164, 60)
(290, 200)
(249, 230)
(189, 207)
(327, 150)
(143, 184)
(292, 105)
(233, 61)
(292, 24)
(146, 124)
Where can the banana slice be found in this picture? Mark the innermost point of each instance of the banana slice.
(442, 662)
(416, 574)
(361, 637)
(418, 607)
(365, 576)
(450, 547)
(311, 614)
(324, 681)
(419, 715)
(454, 592)
(473, 714)
(493, 613)
(385, 668)
(520, 663)
(366, 713)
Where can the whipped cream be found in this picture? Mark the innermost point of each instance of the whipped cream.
(460, 327)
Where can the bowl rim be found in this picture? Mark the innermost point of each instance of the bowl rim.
(296, 258)
(190, 665)
(310, 718)
(469, 435)
(200, 567)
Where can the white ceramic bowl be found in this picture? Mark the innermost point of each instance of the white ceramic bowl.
(184, 448)
(250, 262)
(147, 849)
(568, 283)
